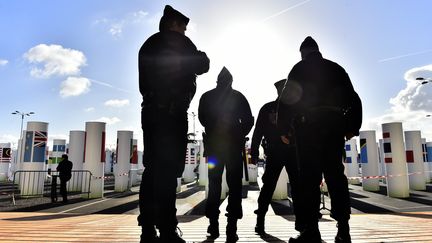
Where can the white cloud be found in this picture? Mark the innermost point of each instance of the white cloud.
(412, 106)
(89, 109)
(415, 97)
(3, 62)
(108, 120)
(117, 103)
(74, 86)
(54, 60)
(116, 26)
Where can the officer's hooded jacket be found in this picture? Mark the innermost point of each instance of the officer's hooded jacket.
(168, 65)
(226, 116)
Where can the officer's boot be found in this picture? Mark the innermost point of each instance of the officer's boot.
(343, 235)
(259, 227)
(170, 236)
(231, 230)
(148, 234)
(213, 229)
(310, 235)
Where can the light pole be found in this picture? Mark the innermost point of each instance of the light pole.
(193, 125)
(23, 114)
(20, 151)
(424, 80)
(193, 116)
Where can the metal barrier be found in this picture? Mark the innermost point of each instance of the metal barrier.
(31, 183)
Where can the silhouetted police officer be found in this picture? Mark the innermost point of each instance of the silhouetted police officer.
(65, 173)
(279, 154)
(227, 119)
(323, 108)
(168, 65)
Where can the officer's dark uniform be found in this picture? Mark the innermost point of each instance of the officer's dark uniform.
(168, 65)
(227, 119)
(323, 109)
(278, 155)
(65, 173)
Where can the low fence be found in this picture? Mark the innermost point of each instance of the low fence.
(33, 183)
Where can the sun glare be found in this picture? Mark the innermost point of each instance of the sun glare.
(256, 55)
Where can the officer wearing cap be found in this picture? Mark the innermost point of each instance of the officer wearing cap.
(168, 63)
(323, 109)
(227, 118)
(279, 153)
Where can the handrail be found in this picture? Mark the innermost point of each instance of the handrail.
(34, 173)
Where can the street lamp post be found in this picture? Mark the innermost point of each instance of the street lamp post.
(23, 114)
(424, 80)
(193, 116)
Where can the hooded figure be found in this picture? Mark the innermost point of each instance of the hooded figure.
(227, 119)
(168, 65)
(171, 15)
(323, 110)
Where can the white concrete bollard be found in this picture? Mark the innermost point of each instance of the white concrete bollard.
(190, 163)
(36, 138)
(203, 167)
(281, 190)
(76, 155)
(5, 160)
(123, 165)
(369, 160)
(395, 160)
(427, 175)
(414, 158)
(94, 157)
(351, 162)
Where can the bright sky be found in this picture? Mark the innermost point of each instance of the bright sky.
(76, 61)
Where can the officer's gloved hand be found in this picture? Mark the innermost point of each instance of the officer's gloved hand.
(285, 139)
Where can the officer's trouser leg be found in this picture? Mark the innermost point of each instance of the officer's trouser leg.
(214, 187)
(269, 179)
(292, 169)
(337, 182)
(310, 177)
(234, 175)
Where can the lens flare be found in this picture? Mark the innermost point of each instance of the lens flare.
(211, 162)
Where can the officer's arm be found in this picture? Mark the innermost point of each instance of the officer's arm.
(202, 111)
(199, 62)
(246, 117)
(202, 62)
(257, 135)
(355, 113)
(141, 71)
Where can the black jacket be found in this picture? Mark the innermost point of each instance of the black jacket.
(325, 93)
(266, 126)
(168, 64)
(227, 118)
(65, 169)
